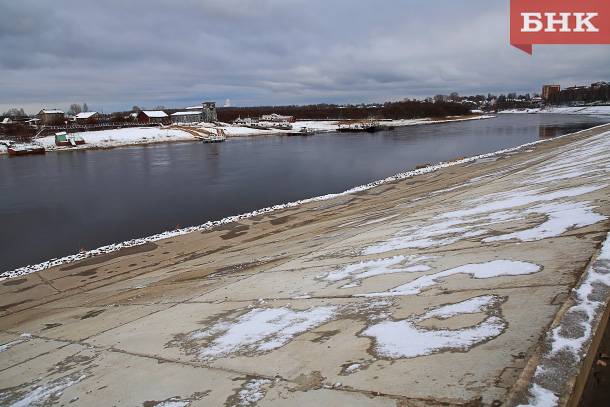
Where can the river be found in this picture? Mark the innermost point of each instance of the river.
(59, 203)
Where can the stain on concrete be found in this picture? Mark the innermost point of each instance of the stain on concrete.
(92, 314)
(103, 258)
(15, 282)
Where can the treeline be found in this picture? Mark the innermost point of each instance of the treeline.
(390, 110)
(594, 93)
(17, 132)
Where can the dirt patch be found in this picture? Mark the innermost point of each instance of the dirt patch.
(87, 273)
(92, 314)
(11, 305)
(236, 231)
(323, 336)
(309, 381)
(282, 220)
(102, 258)
(15, 282)
(176, 400)
(240, 267)
(51, 326)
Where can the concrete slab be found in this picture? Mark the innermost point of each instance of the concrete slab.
(447, 288)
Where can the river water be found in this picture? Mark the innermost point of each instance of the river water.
(59, 203)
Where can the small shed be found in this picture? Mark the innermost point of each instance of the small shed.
(64, 139)
(153, 116)
(51, 117)
(190, 116)
(86, 117)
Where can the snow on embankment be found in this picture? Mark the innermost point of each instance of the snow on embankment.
(123, 137)
(324, 126)
(586, 110)
(569, 341)
(212, 224)
(149, 135)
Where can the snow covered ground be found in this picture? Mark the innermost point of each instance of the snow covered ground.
(332, 125)
(149, 135)
(118, 137)
(121, 137)
(587, 110)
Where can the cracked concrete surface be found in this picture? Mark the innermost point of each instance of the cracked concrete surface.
(434, 290)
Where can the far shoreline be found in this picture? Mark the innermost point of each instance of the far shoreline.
(327, 127)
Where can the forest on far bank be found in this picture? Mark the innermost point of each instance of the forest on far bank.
(390, 110)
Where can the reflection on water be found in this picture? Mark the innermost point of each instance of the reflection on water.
(550, 131)
(56, 204)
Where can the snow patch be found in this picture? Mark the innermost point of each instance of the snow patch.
(40, 395)
(252, 392)
(405, 339)
(490, 269)
(259, 330)
(370, 268)
(541, 397)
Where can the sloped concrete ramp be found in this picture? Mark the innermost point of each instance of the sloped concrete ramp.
(484, 283)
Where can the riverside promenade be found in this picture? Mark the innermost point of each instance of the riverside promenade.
(481, 283)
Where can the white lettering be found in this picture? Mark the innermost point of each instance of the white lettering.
(530, 19)
(581, 21)
(564, 20)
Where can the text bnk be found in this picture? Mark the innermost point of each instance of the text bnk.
(558, 22)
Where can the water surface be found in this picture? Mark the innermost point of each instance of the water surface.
(59, 203)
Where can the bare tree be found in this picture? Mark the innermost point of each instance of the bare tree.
(74, 109)
(14, 112)
(85, 107)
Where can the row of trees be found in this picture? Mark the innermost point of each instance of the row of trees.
(75, 109)
(14, 112)
(390, 110)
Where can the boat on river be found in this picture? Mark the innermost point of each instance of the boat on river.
(303, 131)
(219, 137)
(25, 149)
(370, 126)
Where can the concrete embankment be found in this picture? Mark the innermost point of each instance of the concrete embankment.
(484, 283)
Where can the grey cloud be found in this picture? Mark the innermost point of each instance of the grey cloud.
(114, 54)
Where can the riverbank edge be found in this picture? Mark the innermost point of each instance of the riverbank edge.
(558, 371)
(21, 271)
(396, 123)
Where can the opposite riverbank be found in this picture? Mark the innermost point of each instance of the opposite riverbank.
(449, 285)
(135, 136)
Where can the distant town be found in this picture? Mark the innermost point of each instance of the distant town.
(597, 93)
(53, 128)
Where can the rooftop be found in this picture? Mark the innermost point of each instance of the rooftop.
(154, 113)
(85, 115)
(189, 113)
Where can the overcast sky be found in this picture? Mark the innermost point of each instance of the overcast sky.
(115, 54)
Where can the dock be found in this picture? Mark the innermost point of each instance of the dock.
(484, 282)
(205, 135)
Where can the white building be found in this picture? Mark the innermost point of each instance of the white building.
(274, 117)
(189, 116)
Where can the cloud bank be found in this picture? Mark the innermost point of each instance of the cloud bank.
(115, 54)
